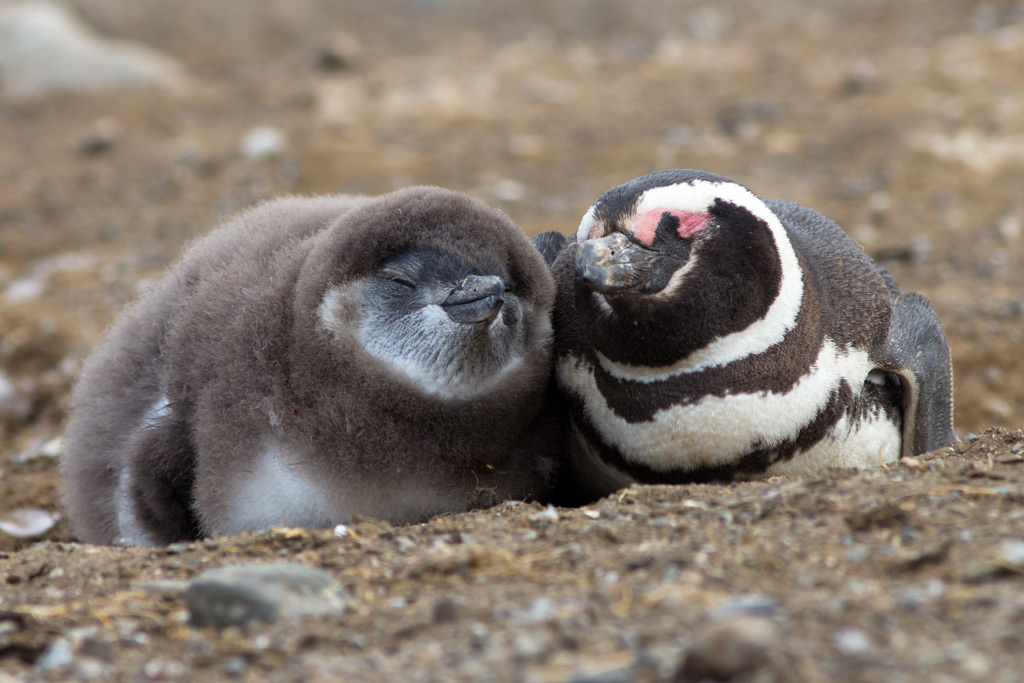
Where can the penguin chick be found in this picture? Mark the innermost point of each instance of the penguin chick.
(316, 359)
(704, 334)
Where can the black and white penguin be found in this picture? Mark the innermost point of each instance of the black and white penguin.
(316, 359)
(704, 334)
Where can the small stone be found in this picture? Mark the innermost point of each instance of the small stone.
(971, 437)
(852, 642)
(445, 610)
(548, 514)
(1012, 551)
(263, 142)
(12, 403)
(52, 448)
(236, 594)
(731, 648)
(25, 289)
(100, 137)
(509, 190)
(542, 610)
(341, 531)
(58, 655)
(752, 605)
(235, 666)
(27, 522)
(341, 52)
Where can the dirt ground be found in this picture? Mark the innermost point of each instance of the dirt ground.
(903, 121)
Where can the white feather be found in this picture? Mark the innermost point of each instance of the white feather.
(129, 530)
(281, 489)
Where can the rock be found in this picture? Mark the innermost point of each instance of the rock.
(445, 610)
(731, 648)
(263, 142)
(24, 289)
(1012, 552)
(60, 654)
(852, 642)
(341, 51)
(45, 48)
(751, 604)
(236, 594)
(101, 136)
(27, 522)
(12, 403)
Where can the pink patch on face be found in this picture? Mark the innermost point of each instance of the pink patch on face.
(690, 224)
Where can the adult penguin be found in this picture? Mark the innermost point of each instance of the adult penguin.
(705, 334)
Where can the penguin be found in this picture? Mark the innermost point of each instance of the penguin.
(703, 334)
(315, 359)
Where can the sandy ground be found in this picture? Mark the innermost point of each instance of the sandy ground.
(902, 121)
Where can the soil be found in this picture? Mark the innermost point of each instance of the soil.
(903, 121)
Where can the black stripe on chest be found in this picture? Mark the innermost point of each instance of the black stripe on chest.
(759, 459)
(776, 370)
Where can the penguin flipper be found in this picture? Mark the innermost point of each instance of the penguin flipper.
(549, 244)
(918, 353)
(162, 473)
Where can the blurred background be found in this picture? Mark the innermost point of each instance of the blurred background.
(129, 127)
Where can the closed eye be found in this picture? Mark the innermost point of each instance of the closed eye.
(403, 282)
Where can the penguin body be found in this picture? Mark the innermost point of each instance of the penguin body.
(316, 359)
(704, 334)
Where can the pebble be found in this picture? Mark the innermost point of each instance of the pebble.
(446, 610)
(46, 48)
(235, 666)
(233, 595)
(60, 654)
(263, 142)
(27, 522)
(852, 642)
(12, 403)
(509, 190)
(341, 51)
(101, 136)
(548, 514)
(542, 610)
(752, 604)
(24, 289)
(971, 436)
(1012, 551)
(730, 648)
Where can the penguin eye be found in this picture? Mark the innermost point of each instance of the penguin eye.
(403, 282)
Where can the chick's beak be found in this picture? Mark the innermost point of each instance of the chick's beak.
(614, 264)
(477, 300)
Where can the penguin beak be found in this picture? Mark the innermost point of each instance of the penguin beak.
(614, 264)
(477, 300)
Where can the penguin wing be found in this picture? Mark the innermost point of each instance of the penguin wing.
(550, 244)
(917, 351)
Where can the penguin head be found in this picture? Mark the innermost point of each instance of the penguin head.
(682, 258)
(442, 290)
(454, 325)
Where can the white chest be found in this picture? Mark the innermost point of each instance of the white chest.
(718, 430)
(280, 488)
